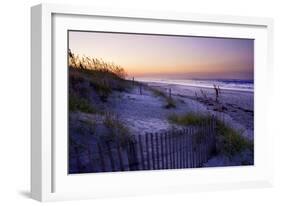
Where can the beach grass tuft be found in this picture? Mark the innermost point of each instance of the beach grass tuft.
(103, 77)
(117, 130)
(86, 63)
(231, 141)
(102, 88)
(188, 119)
(228, 140)
(169, 101)
(80, 104)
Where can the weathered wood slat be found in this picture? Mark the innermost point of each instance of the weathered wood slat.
(148, 167)
(141, 152)
(152, 151)
(186, 148)
(157, 151)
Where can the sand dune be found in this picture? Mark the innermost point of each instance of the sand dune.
(146, 112)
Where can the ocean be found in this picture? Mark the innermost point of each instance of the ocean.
(228, 84)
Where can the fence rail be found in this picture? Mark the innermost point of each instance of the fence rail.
(186, 148)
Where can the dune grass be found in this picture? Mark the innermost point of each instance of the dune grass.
(102, 88)
(87, 63)
(169, 101)
(102, 83)
(117, 130)
(188, 119)
(91, 82)
(96, 75)
(80, 104)
(231, 141)
(228, 140)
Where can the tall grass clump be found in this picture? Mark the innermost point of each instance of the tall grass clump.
(103, 89)
(80, 104)
(116, 129)
(228, 140)
(231, 141)
(99, 75)
(94, 64)
(169, 101)
(188, 119)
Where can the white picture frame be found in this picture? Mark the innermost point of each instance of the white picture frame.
(49, 179)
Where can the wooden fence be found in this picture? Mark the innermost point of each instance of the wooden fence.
(186, 148)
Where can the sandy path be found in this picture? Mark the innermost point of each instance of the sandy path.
(146, 112)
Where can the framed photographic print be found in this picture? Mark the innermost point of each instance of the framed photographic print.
(134, 102)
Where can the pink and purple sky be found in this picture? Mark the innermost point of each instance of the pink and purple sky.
(159, 56)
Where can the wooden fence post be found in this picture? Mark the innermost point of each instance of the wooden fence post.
(192, 148)
(157, 151)
(109, 152)
(185, 148)
(152, 150)
(120, 157)
(170, 150)
(147, 152)
(206, 141)
(167, 151)
(162, 150)
(101, 158)
(214, 134)
(174, 149)
(188, 147)
(141, 152)
(78, 164)
(90, 158)
(132, 156)
(199, 141)
(180, 150)
(177, 138)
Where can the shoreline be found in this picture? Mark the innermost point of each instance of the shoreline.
(194, 85)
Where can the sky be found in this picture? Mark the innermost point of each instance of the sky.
(163, 56)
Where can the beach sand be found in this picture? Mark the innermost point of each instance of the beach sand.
(146, 112)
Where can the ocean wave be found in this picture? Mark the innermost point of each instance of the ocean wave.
(228, 84)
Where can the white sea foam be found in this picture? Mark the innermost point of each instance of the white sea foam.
(227, 84)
